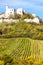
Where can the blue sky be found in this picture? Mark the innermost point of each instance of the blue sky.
(31, 6)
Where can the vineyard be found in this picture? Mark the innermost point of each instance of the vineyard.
(22, 48)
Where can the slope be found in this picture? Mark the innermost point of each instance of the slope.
(22, 48)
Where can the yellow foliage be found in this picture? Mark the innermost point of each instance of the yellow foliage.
(1, 62)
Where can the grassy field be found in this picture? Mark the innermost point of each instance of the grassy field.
(22, 48)
(21, 29)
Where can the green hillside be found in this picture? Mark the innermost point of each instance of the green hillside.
(22, 48)
(21, 29)
(21, 43)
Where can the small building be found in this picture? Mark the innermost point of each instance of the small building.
(1, 20)
(9, 12)
(20, 11)
(27, 20)
(36, 20)
(2, 15)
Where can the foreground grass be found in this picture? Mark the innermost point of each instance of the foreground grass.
(21, 51)
(22, 48)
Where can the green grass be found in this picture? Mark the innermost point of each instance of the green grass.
(22, 48)
(21, 29)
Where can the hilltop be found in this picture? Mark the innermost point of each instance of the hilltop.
(13, 15)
